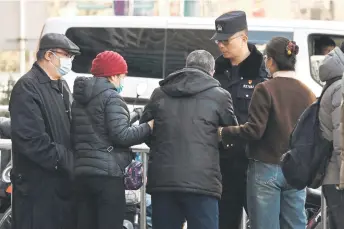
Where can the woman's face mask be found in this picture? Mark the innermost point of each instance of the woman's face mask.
(119, 88)
(266, 66)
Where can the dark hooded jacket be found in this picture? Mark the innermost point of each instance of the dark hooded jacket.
(187, 108)
(101, 134)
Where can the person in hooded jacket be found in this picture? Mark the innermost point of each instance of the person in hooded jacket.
(332, 69)
(184, 177)
(101, 137)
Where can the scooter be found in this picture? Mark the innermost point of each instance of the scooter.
(313, 210)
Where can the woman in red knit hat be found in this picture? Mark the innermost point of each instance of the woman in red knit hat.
(101, 137)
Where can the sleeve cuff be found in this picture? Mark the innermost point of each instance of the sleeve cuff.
(230, 131)
(229, 136)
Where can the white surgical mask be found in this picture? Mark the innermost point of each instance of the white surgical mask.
(266, 67)
(65, 65)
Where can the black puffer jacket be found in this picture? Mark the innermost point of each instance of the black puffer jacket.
(187, 109)
(101, 134)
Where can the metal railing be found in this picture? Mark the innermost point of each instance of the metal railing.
(143, 149)
(3, 108)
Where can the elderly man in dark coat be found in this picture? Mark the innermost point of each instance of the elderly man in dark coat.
(42, 157)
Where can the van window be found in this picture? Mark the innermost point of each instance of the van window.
(150, 53)
(180, 42)
(318, 46)
(143, 49)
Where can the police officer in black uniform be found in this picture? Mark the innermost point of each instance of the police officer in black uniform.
(239, 69)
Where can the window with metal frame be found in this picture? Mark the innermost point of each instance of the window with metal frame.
(150, 52)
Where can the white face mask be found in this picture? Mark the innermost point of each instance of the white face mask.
(65, 65)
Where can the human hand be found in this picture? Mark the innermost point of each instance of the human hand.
(138, 111)
(340, 186)
(151, 124)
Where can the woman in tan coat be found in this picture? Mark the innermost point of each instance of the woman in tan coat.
(274, 110)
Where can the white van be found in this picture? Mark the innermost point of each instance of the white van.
(156, 46)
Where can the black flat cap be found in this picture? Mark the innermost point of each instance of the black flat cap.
(228, 24)
(56, 40)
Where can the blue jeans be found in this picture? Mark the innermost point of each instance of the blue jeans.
(271, 202)
(171, 209)
(149, 210)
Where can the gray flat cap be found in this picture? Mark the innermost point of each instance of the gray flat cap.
(56, 40)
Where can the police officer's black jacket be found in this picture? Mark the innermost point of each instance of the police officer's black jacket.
(42, 156)
(187, 109)
(240, 82)
(101, 134)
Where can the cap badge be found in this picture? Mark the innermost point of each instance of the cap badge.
(219, 28)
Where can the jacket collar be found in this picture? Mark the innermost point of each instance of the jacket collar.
(288, 74)
(249, 68)
(42, 76)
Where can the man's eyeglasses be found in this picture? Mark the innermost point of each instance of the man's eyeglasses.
(226, 42)
(64, 54)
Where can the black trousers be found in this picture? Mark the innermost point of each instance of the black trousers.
(233, 197)
(335, 205)
(41, 205)
(100, 202)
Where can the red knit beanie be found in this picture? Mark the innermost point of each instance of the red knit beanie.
(109, 63)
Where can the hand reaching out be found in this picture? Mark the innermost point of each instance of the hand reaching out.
(151, 124)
